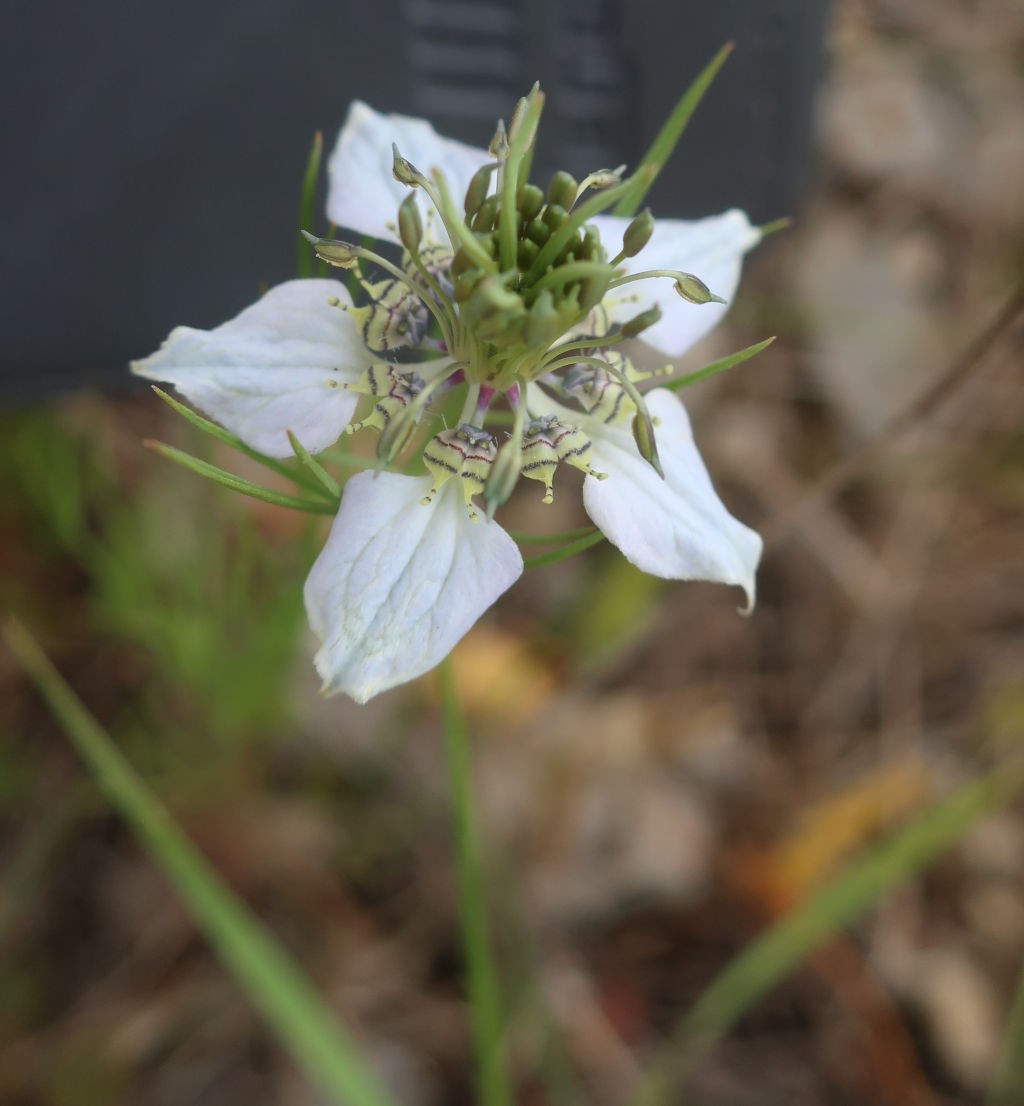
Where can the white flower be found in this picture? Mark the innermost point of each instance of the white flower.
(515, 301)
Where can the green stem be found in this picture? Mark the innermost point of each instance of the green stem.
(482, 985)
(570, 550)
(1008, 1078)
(299, 1016)
(307, 201)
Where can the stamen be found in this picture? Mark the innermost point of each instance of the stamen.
(599, 179)
(345, 255)
(691, 288)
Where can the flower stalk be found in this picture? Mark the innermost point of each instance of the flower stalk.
(493, 1086)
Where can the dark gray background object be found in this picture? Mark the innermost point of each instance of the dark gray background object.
(153, 152)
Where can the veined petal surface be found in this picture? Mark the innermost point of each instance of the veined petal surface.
(399, 583)
(277, 366)
(711, 249)
(676, 528)
(362, 191)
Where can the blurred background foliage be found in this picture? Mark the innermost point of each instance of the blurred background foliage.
(659, 779)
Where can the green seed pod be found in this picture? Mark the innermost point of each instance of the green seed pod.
(529, 200)
(526, 254)
(638, 233)
(479, 186)
(562, 190)
(410, 225)
(641, 322)
(694, 290)
(483, 220)
(537, 231)
(554, 216)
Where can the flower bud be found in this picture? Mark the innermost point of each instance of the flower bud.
(638, 234)
(410, 225)
(562, 190)
(641, 322)
(694, 290)
(342, 255)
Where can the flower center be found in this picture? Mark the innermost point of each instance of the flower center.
(508, 306)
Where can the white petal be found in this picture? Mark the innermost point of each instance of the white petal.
(398, 584)
(275, 367)
(677, 528)
(362, 192)
(711, 249)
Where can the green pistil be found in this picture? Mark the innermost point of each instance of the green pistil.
(457, 228)
(568, 350)
(524, 126)
(568, 274)
(561, 237)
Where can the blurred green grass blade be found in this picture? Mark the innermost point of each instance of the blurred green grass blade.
(237, 484)
(1007, 1086)
(665, 142)
(570, 550)
(326, 482)
(481, 977)
(225, 436)
(718, 366)
(269, 976)
(307, 203)
(765, 962)
(552, 539)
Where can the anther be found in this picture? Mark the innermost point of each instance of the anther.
(694, 290)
